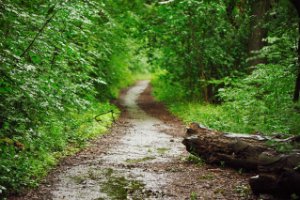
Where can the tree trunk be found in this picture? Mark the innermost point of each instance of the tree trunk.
(282, 185)
(229, 11)
(189, 49)
(258, 32)
(248, 152)
(297, 85)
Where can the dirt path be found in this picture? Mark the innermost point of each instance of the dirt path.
(142, 158)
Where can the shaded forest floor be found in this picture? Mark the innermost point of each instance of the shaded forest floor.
(141, 158)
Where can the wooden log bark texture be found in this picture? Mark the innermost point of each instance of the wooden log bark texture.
(278, 173)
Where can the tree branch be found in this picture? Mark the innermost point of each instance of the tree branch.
(51, 9)
(166, 2)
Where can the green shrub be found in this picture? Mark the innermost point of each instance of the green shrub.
(24, 167)
(241, 112)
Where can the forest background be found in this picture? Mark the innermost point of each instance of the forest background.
(232, 65)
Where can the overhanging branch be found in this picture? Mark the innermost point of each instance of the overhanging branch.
(166, 2)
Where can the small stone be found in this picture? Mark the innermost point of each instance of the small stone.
(172, 140)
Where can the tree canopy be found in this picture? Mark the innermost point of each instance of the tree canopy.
(63, 61)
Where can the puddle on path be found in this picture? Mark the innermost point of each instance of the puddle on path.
(125, 171)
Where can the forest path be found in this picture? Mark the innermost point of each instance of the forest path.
(142, 158)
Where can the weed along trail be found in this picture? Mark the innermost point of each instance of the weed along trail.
(142, 158)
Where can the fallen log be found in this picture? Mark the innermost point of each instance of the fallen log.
(250, 152)
(284, 184)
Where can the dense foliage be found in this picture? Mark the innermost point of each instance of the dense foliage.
(240, 54)
(61, 62)
(230, 64)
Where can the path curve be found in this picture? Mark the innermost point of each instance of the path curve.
(141, 158)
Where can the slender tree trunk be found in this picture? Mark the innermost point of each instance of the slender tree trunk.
(297, 85)
(189, 59)
(229, 11)
(258, 32)
(204, 76)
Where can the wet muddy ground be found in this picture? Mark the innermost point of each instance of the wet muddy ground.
(141, 158)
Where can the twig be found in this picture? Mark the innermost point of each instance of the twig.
(166, 2)
(100, 120)
(51, 9)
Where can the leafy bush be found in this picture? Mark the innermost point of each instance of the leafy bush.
(59, 59)
(24, 161)
(207, 72)
(260, 102)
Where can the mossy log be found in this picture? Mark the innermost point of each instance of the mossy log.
(248, 152)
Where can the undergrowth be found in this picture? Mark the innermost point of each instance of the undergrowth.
(242, 115)
(24, 161)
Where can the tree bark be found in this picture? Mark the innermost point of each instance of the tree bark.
(258, 32)
(297, 85)
(282, 185)
(296, 3)
(248, 152)
(229, 11)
